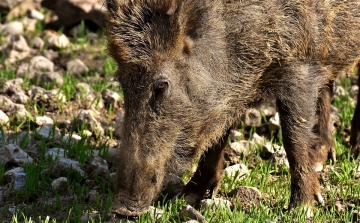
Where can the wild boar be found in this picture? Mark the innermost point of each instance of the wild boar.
(189, 68)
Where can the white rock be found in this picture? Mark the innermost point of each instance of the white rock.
(55, 153)
(64, 165)
(40, 63)
(17, 49)
(235, 135)
(12, 153)
(58, 42)
(37, 43)
(73, 137)
(241, 147)
(15, 177)
(252, 117)
(274, 122)
(42, 120)
(110, 98)
(60, 184)
(239, 170)
(29, 24)
(76, 67)
(12, 28)
(35, 14)
(257, 140)
(20, 97)
(3, 118)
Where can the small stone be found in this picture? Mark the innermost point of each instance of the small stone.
(29, 24)
(64, 165)
(85, 117)
(253, 117)
(93, 194)
(13, 86)
(270, 148)
(191, 221)
(43, 120)
(84, 88)
(50, 77)
(97, 166)
(246, 195)
(274, 122)
(60, 184)
(4, 119)
(12, 29)
(110, 98)
(57, 42)
(35, 14)
(55, 153)
(111, 155)
(24, 70)
(20, 97)
(155, 213)
(257, 140)
(17, 50)
(339, 207)
(353, 91)
(37, 43)
(279, 157)
(241, 147)
(9, 4)
(214, 203)
(14, 154)
(339, 91)
(40, 63)
(76, 67)
(73, 137)
(235, 135)
(189, 212)
(15, 177)
(238, 170)
(51, 54)
(48, 130)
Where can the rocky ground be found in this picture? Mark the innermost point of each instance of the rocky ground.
(61, 113)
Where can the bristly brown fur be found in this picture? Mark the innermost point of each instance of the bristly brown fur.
(189, 68)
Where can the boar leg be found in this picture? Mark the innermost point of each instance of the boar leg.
(208, 174)
(297, 94)
(355, 123)
(324, 127)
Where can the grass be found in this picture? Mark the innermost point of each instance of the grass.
(38, 202)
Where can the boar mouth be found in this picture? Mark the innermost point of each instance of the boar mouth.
(125, 205)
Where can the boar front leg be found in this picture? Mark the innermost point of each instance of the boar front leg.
(297, 92)
(355, 123)
(208, 174)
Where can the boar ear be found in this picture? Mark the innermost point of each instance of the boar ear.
(167, 6)
(198, 16)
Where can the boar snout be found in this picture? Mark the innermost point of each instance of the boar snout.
(127, 205)
(138, 183)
